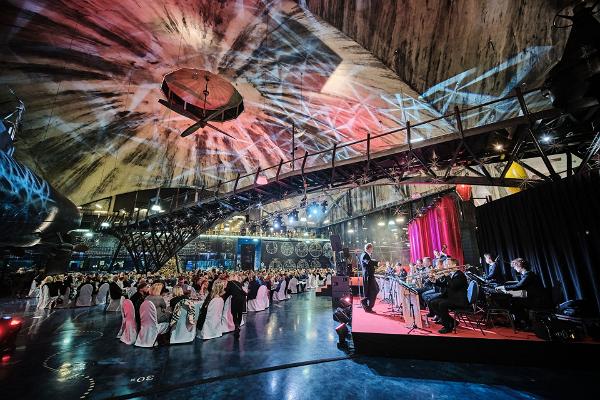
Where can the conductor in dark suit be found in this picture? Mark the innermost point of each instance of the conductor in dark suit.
(369, 283)
(453, 296)
(494, 272)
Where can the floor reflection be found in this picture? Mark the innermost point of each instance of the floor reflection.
(73, 353)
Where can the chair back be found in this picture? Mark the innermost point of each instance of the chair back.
(227, 324)
(148, 325)
(102, 293)
(473, 293)
(184, 332)
(263, 297)
(128, 331)
(84, 297)
(212, 324)
(294, 285)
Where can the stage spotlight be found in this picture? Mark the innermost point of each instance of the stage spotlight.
(342, 332)
(341, 315)
(498, 147)
(350, 231)
(277, 222)
(345, 302)
(381, 223)
(546, 139)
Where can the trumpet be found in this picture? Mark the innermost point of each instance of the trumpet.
(432, 274)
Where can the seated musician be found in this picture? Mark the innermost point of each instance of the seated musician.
(537, 296)
(494, 272)
(427, 284)
(454, 295)
(438, 285)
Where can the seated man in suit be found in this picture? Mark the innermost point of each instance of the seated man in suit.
(537, 296)
(494, 273)
(454, 295)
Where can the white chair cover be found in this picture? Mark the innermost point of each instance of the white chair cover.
(328, 279)
(34, 291)
(263, 293)
(128, 331)
(294, 285)
(258, 304)
(102, 293)
(114, 304)
(65, 299)
(212, 325)
(183, 331)
(280, 295)
(84, 299)
(311, 282)
(227, 324)
(149, 326)
(45, 300)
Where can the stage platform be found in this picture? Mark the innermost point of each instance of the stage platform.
(385, 334)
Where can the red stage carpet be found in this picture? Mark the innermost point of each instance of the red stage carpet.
(385, 323)
(385, 334)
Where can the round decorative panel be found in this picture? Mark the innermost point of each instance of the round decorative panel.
(303, 264)
(289, 264)
(287, 249)
(327, 252)
(271, 247)
(314, 249)
(275, 264)
(301, 249)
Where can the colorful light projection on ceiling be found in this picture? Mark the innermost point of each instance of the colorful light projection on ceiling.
(90, 74)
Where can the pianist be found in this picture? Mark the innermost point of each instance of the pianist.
(529, 282)
(537, 296)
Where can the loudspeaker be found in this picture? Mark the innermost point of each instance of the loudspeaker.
(340, 285)
(336, 243)
(340, 289)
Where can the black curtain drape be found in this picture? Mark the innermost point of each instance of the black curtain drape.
(556, 227)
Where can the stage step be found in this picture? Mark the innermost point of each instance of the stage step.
(323, 290)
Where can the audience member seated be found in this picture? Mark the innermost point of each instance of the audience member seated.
(209, 322)
(116, 292)
(155, 297)
(138, 298)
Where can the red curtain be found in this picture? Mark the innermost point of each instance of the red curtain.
(438, 226)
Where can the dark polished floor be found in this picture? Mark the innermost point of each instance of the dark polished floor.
(287, 352)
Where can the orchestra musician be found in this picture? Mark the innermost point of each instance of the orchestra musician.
(537, 295)
(438, 285)
(454, 295)
(494, 272)
(369, 283)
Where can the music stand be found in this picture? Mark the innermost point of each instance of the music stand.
(411, 308)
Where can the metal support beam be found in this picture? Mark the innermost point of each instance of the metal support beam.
(547, 162)
(593, 149)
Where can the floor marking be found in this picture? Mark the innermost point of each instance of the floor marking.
(202, 381)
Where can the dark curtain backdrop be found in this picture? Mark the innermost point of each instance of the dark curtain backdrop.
(554, 226)
(438, 226)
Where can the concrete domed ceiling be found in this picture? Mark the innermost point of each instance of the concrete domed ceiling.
(90, 74)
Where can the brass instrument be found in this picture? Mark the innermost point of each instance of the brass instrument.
(432, 274)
